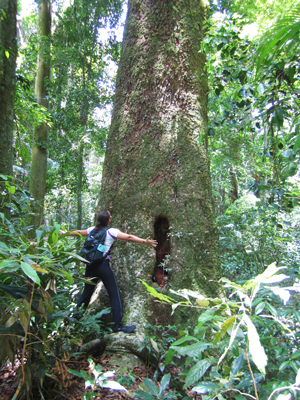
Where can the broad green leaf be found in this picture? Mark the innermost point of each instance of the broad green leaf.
(205, 387)
(257, 351)
(201, 138)
(279, 116)
(160, 296)
(154, 345)
(297, 144)
(234, 333)
(7, 263)
(150, 386)
(164, 383)
(169, 356)
(54, 237)
(261, 88)
(272, 309)
(68, 276)
(221, 333)
(284, 365)
(38, 235)
(236, 365)
(202, 302)
(30, 272)
(11, 189)
(7, 53)
(23, 321)
(197, 371)
(141, 394)
(288, 153)
(183, 340)
(81, 374)
(259, 308)
(194, 350)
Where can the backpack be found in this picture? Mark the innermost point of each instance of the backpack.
(93, 248)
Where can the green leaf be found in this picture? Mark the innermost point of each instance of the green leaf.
(194, 350)
(260, 308)
(236, 365)
(297, 144)
(204, 387)
(257, 351)
(183, 340)
(284, 365)
(260, 88)
(11, 189)
(141, 394)
(169, 356)
(150, 386)
(7, 53)
(201, 138)
(54, 237)
(221, 333)
(160, 296)
(38, 235)
(279, 116)
(272, 309)
(81, 374)
(196, 372)
(30, 272)
(7, 263)
(68, 276)
(164, 383)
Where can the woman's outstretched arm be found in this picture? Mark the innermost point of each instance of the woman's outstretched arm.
(75, 233)
(136, 239)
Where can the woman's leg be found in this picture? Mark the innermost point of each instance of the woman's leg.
(105, 273)
(88, 288)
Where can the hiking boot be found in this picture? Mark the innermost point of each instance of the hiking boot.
(125, 329)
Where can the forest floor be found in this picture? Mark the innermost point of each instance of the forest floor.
(64, 385)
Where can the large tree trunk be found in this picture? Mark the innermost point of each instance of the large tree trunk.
(156, 178)
(8, 54)
(39, 151)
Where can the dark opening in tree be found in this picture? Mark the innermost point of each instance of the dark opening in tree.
(161, 234)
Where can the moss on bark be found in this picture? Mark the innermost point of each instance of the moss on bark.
(154, 165)
(8, 54)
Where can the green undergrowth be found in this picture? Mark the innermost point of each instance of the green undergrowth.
(243, 345)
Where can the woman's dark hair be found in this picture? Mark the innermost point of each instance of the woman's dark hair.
(102, 219)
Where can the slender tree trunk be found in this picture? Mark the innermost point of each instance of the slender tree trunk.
(79, 187)
(39, 151)
(156, 178)
(8, 54)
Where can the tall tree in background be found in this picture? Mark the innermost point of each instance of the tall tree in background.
(39, 151)
(156, 178)
(8, 54)
(79, 69)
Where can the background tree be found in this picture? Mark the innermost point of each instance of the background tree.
(39, 152)
(81, 91)
(156, 179)
(8, 55)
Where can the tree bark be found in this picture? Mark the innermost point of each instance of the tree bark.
(8, 54)
(156, 178)
(39, 151)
